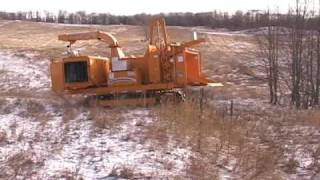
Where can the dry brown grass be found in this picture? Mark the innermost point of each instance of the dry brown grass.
(34, 108)
(291, 165)
(104, 118)
(42, 38)
(2, 71)
(122, 172)
(194, 127)
(189, 120)
(19, 164)
(218, 139)
(126, 173)
(3, 103)
(3, 136)
(313, 118)
(68, 175)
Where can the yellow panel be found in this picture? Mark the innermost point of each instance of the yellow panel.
(153, 65)
(193, 60)
(140, 63)
(180, 69)
(124, 78)
(98, 71)
(57, 79)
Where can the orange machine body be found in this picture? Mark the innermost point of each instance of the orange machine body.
(163, 67)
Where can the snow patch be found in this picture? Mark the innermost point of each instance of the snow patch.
(23, 73)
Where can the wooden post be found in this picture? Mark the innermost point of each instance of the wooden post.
(201, 97)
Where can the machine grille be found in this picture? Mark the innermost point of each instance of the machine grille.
(76, 72)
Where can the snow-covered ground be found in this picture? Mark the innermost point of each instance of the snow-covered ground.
(23, 73)
(43, 136)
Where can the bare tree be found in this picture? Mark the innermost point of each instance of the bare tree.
(269, 48)
(62, 16)
(317, 91)
(296, 45)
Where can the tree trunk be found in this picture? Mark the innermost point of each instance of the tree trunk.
(318, 70)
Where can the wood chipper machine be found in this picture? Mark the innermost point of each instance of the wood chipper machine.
(125, 80)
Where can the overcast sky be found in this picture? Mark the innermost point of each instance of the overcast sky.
(129, 7)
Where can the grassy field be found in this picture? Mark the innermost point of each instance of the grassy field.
(233, 134)
(228, 58)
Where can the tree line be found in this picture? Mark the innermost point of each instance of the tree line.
(292, 56)
(216, 19)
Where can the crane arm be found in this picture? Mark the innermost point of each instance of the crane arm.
(189, 44)
(158, 32)
(192, 43)
(102, 36)
(108, 38)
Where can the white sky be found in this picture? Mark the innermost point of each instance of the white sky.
(129, 7)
